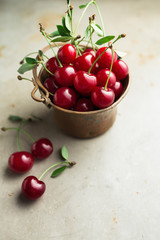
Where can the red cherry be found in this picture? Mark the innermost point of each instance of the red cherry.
(20, 162)
(84, 62)
(117, 88)
(32, 188)
(42, 148)
(52, 65)
(51, 85)
(89, 50)
(102, 77)
(84, 82)
(105, 60)
(84, 105)
(64, 75)
(121, 70)
(102, 98)
(65, 97)
(67, 53)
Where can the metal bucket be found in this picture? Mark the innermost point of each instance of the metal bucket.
(77, 124)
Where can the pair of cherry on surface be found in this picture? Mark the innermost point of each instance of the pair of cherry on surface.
(74, 88)
(22, 161)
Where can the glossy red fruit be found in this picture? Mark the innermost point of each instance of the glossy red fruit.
(20, 162)
(118, 89)
(84, 82)
(84, 62)
(102, 98)
(102, 77)
(66, 53)
(51, 85)
(120, 69)
(89, 50)
(65, 97)
(52, 65)
(32, 188)
(64, 75)
(42, 148)
(84, 105)
(106, 59)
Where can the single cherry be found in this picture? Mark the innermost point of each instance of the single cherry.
(105, 60)
(89, 50)
(84, 62)
(120, 69)
(84, 82)
(42, 148)
(102, 77)
(52, 65)
(51, 85)
(118, 89)
(20, 162)
(67, 53)
(65, 97)
(84, 105)
(32, 188)
(64, 75)
(102, 98)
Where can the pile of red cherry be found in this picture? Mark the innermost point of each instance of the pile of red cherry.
(74, 88)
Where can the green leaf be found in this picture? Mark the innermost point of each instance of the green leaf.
(83, 5)
(40, 53)
(63, 30)
(26, 67)
(67, 22)
(15, 118)
(54, 34)
(97, 29)
(104, 40)
(58, 171)
(68, 2)
(64, 152)
(62, 39)
(64, 25)
(30, 60)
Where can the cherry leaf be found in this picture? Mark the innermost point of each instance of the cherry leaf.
(14, 118)
(62, 39)
(104, 40)
(64, 152)
(58, 171)
(26, 67)
(62, 30)
(40, 53)
(30, 60)
(83, 5)
(54, 34)
(67, 22)
(97, 29)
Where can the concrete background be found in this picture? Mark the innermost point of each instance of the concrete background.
(113, 193)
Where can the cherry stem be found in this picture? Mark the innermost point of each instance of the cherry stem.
(109, 70)
(91, 38)
(44, 34)
(89, 71)
(22, 130)
(54, 165)
(85, 9)
(100, 16)
(22, 78)
(46, 68)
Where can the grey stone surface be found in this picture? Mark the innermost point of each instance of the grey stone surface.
(113, 193)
